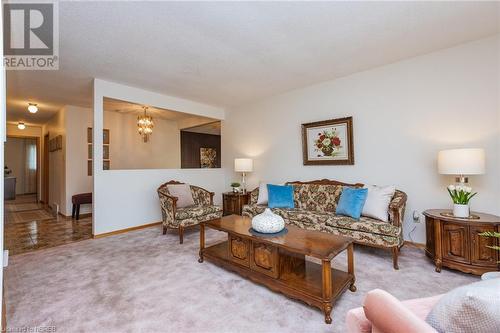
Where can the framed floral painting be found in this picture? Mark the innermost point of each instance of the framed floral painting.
(328, 142)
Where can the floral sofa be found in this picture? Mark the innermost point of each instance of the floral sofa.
(180, 218)
(315, 205)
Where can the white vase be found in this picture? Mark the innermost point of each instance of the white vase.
(268, 222)
(490, 275)
(461, 210)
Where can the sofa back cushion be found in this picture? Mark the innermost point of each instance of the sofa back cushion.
(316, 197)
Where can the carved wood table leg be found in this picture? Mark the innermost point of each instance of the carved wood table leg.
(350, 266)
(327, 290)
(438, 265)
(202, 242)
(438, 249)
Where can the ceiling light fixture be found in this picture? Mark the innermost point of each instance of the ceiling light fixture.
(32, 108)
(145, 125)
(21, 125)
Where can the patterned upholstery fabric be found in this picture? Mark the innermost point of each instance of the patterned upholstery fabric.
(196, 220)
(254, 196)
(316, 197)
(173, 217)
(321, 216)
(195, 211)
(201, 196)
(366, 224)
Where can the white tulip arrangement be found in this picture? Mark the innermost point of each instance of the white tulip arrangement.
(461, 194)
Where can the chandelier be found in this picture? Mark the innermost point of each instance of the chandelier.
(145, 125)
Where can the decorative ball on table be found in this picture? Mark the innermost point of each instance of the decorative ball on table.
(268, 222)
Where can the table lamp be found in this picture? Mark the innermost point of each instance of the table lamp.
(462, 163)
(243, 165)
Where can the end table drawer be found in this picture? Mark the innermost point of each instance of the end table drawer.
(239, 250)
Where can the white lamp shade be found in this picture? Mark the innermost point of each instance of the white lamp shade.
(243, 165)
(467, 161)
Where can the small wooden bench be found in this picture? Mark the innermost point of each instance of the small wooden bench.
(77, 200)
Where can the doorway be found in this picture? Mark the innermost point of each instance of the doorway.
(21, 168)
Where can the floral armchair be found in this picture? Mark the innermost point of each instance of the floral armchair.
(181, 218)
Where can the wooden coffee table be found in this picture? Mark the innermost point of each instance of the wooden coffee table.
(279, 262)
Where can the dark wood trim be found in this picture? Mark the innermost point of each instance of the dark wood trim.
(324, 182)
(121, 231)
(46, 174)
(350, 159)
(192, 142)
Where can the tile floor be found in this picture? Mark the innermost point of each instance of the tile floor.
(29, 227)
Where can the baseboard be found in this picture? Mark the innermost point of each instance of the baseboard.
(121, 231)
(417, 245)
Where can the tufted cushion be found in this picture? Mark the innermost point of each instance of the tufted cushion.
(471, 308)
(196, 211)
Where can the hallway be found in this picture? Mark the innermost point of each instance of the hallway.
(30, 227)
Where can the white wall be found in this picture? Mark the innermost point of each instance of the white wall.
(128, 150)
(127, 198)
(57, 161)
(77, 180)
(404, 113)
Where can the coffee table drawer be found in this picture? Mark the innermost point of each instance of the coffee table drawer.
(239, 250)
(264, 259)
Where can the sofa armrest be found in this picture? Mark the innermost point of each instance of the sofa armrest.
(168, 206)
(397, 208)
(254, 196)
(201, 196)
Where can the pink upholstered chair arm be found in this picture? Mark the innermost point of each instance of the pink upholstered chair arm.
(388, 315)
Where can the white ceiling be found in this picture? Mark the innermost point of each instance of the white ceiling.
(228, 54)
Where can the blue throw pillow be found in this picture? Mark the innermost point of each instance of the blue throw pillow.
(351, 202)
(280, 196)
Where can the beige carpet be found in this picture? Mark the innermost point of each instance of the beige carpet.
(143, 281)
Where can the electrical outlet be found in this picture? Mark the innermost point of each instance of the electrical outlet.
(416, 217)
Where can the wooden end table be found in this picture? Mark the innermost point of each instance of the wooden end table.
(455, 242)
(232, 203)
(279, 262)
